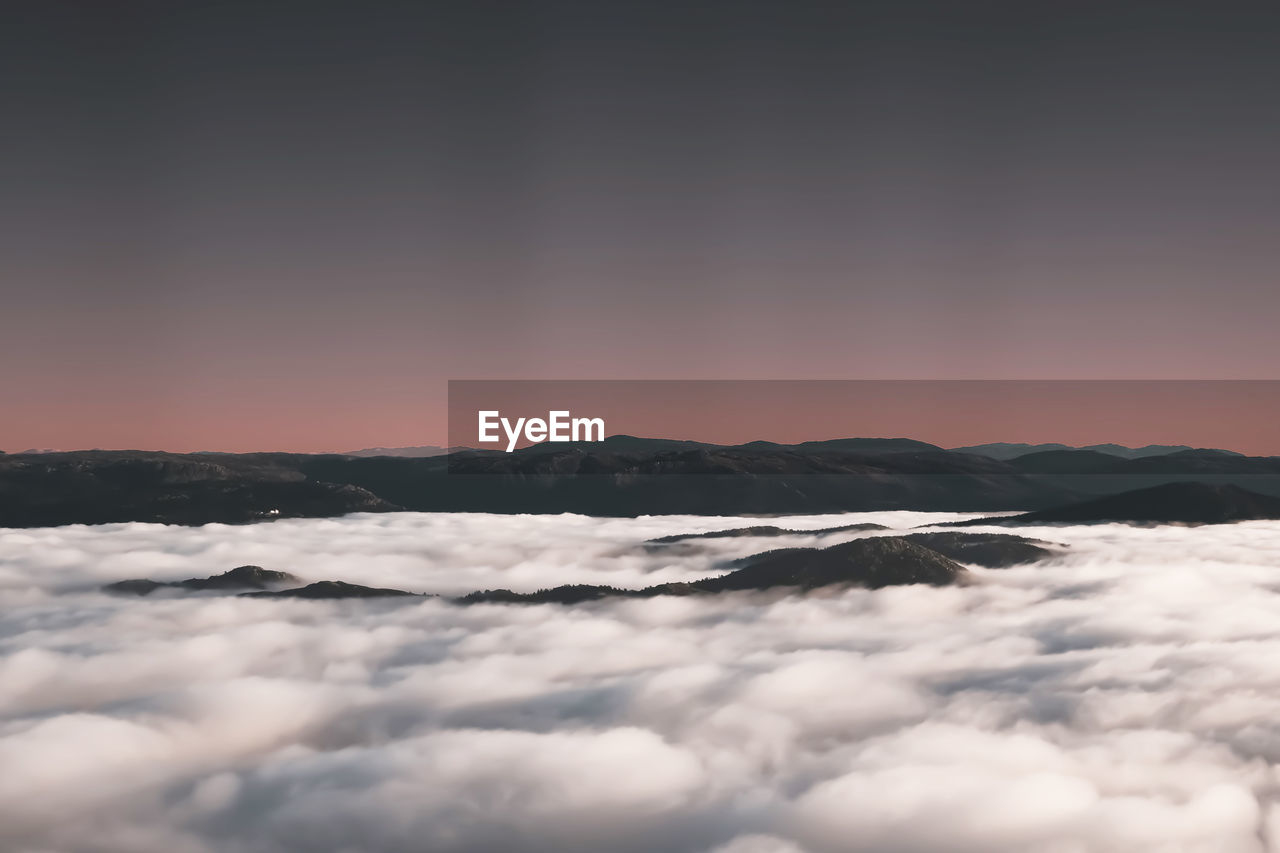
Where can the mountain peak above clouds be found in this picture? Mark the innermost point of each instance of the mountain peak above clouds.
(1169, 503)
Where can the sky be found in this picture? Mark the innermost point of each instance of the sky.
(257, 226)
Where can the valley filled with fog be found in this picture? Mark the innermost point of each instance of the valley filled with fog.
(1121, 696)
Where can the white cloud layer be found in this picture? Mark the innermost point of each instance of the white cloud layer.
(1122, 698)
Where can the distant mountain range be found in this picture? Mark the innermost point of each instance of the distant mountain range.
(1168, 503)
(622, 476)
(1004, 450)
(418, 452)
(622, 443)
(937, 558)
(870, 563)
(879, 561)
(999, 450)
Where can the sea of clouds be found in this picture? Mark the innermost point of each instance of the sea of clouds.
(1123, 697)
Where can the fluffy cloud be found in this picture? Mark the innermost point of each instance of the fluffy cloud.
(1123, 697)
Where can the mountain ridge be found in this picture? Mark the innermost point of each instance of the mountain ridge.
(1013, 450)
(641, 478)
(1168, 503)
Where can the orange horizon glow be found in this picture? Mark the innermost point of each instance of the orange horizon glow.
(1235, 415)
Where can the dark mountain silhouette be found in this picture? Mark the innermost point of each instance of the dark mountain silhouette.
(1006, 451)
(1185, 503)
(871, 563)
(1204, 462)
(568, 594)
(135, 586)
(258, 581)
(635, 444)
(734, 481)
(991, 550)
(418, 451)
(331, 589)
(762, 530)
(1069, 462)
(1151, 450)
(241, 577)
(97, 487)
(879, 561)
(643, 477)
(865, 445)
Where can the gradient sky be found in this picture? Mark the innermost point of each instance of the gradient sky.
(269, 225)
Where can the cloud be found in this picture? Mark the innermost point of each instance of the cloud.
(1122, 697)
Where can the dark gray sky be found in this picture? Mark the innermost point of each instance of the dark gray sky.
(285, 225)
